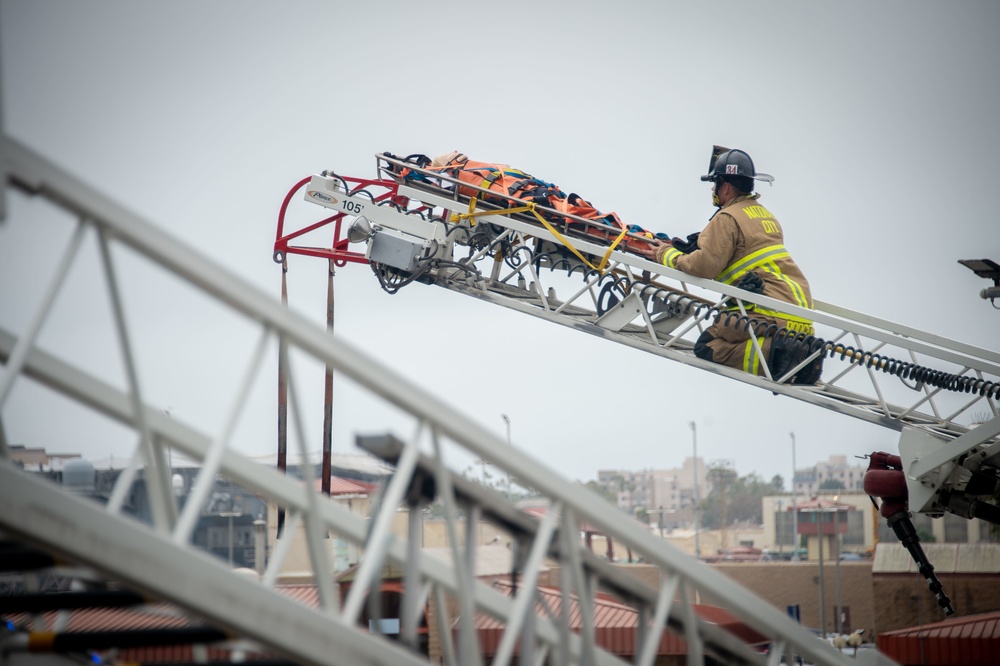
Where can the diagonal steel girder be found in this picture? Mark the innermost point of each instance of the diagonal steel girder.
(187, 263)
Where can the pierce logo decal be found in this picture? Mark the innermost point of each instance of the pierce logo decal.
(321, 196)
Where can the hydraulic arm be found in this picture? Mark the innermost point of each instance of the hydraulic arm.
(885, 479)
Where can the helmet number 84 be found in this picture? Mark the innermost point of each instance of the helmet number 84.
(353, 207)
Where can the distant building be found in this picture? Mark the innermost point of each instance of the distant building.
(38, 459)
(225, 524)
(857, 533)
(667, 495)
(864, 526)
(808, 480)
(970, 574)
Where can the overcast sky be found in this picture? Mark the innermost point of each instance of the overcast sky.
(878, 121)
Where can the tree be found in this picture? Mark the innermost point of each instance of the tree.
(601, 490)
(715, 508)
(832, 484)
(778, 483)
(734, 498)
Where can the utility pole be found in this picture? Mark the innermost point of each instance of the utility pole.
(836, 537)
(283, 397)
(777, 529)
(822, 582)
(694, 440)
(795, 508)
(328, 392)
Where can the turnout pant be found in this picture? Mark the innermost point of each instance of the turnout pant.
(733, 347)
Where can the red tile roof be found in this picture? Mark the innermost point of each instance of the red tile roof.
(152, 616)
(821, 504)
(971, 640)
(615, 624)
(339, 486)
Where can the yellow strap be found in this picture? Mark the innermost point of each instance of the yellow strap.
(472, 212)
(604, 259)
(530, 207)
(494, 175)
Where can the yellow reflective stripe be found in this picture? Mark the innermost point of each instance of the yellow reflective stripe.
(791, 319)
(794, 287)
(797, 324)
(767, 254)
(800, 327)
(670, 257)
(751, 361)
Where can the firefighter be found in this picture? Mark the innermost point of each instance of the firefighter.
(743, 245)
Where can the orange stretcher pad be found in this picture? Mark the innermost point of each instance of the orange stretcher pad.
(505, 186)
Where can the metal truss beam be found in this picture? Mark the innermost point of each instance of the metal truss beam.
(160, 560)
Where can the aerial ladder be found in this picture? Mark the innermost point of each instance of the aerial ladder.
(46, 529)
(416, 224)
(419, 223)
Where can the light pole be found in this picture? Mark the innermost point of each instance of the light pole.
(836, 537)
(777, 529)
(795, 508)
(506, 420)
(822, 580)
(694, 441)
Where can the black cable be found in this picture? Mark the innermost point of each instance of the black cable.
(901, 369)
(905, 371)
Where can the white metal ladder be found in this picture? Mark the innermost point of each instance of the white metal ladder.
(160, 560)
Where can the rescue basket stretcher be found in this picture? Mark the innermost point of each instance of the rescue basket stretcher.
(503, 189)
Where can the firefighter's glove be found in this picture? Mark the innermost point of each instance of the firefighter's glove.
(751, 282)
(454, 157)
(686, 246)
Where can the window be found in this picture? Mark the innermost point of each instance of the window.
(218, 537)
(783, 528)
(855, 534)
